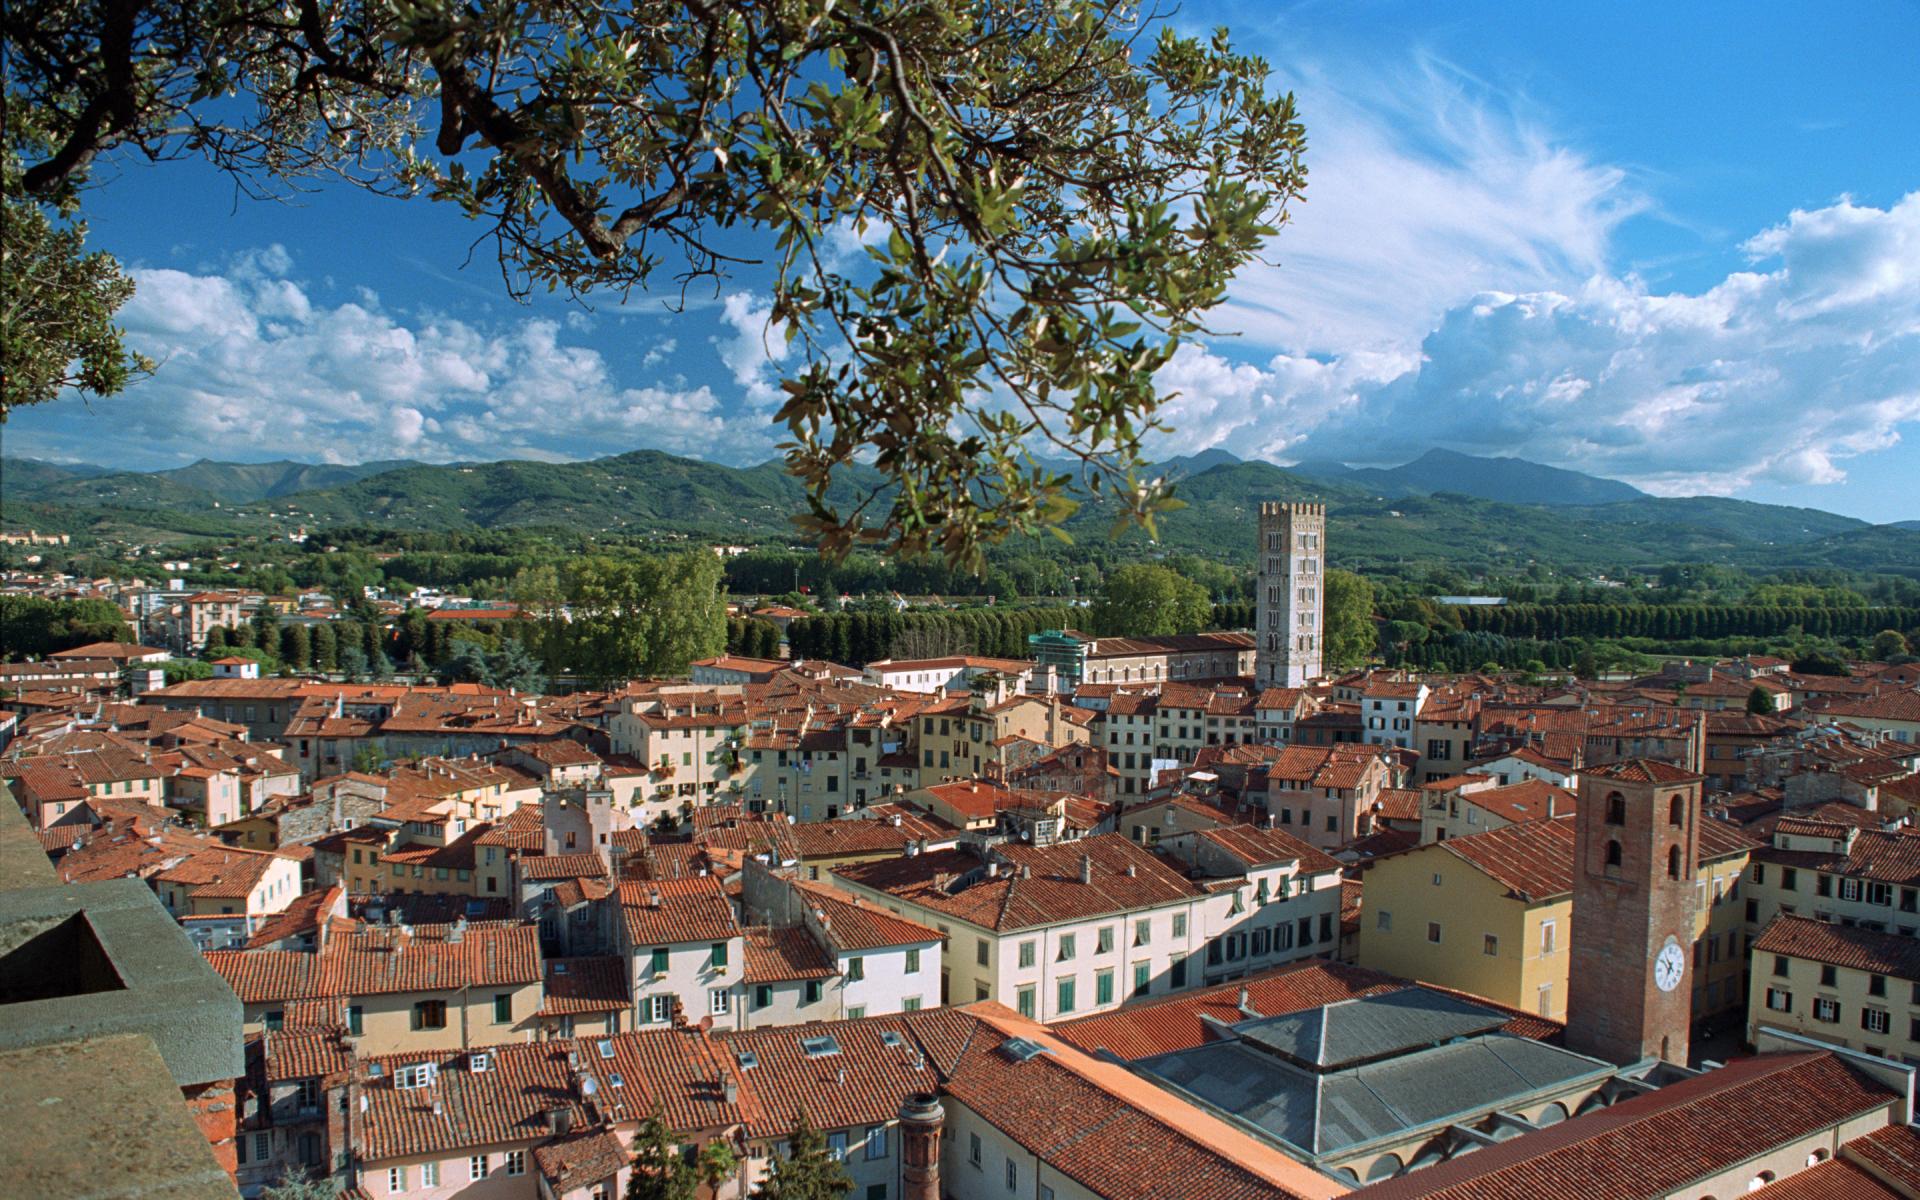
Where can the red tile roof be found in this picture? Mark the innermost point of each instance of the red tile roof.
(776, 954)
(1892, 1154)
(586, 985)
(688, 910)
(1256, 847)
(1859, 949)
(386, 959)
(1038, 885)
(855, 926)
(1654, 1144)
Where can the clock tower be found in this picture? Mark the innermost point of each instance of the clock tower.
(1635, 896)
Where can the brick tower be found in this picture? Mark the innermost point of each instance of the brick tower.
(1635, 892)
(1290, 594)
(921, 1118)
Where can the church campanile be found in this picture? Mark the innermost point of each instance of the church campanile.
(1635, 896)
(1290, 594)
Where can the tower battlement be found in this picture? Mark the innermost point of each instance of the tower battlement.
(1284, 508)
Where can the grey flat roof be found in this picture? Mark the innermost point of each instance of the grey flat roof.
(1325, 1113)
(1369, 1027)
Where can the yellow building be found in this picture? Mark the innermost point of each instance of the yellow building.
(401, 988)
(1491, 914)
(1855, 987)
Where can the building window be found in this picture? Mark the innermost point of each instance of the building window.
(837, 1145)
(1546, 937)
(973, 1149)
(1490, 946)
(1676, 812)
(718, 957)
(1142, 978)
(477, 1167)
(503, 1008)
(430, 1014)
(430, 1174)
(877, 1142)
(1616, 809)
(1546, 1000)
(659, 960)
(396, 1179)
(516, 1162)
(1383, 921)
(1066, 947)
(1064, 995)
(1013, 1175)
(913, 961)
(720, 1001)
(1779, 1001)
(1826, 1010)
(1876, 985)
(1433, 931)
(1142, 932)
(1029, 952)
(1875, 1020)
(813, 991)
(1673, 862)
(1613, 854)
(1179, 925)
(1782, 967)
(762, 995)
(660, 1008)
(1103, 940)
(1103, 987)
(1024, 1001)
(856, 969)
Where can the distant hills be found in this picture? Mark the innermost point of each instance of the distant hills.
(1511, 480)
(1442, 508)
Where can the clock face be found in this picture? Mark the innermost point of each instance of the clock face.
(1668, 966)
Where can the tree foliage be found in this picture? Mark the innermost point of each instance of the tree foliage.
(1051, 197)
(660, 1170)
(1142, 600)
(33, 627)
(1348, 621)
(640, 617)
(57, 300)
(806, 1171)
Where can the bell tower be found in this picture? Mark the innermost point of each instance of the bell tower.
(1635, 895)
(1288, 594)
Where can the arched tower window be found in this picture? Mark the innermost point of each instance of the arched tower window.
(1677, 811)
(1616, 809)
(1673, 862)
(1613, 853)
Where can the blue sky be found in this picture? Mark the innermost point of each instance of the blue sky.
(1677, 244)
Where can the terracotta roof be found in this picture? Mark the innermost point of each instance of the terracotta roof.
(581, 1160)
(1645, 770)
(1654, 1144)
(1037, 886)
(1534, 859)
(586, 985)
(1528, 800)
(1892, 1154)
(537, 867)
(1835, 1179)
(384, 960)
(1170, 1023)
(305, 1054)
(509, 1102)
(854, 925)
(302, 916)
(831, 839)
(689, 910)
(1254, 847)
(776, 954)
(1858, 949)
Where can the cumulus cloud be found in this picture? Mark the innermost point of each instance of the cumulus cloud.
(757, 346)
(251, 364)
(1776, 374)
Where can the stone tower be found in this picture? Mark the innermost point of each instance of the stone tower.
(1291, 594)
(1635, 895)
(921, 1118)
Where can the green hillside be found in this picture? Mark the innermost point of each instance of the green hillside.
(647, 492)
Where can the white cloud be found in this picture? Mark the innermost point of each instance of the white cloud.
(251, 365)
(757, 345)
(1777, 374)
(1425, 186)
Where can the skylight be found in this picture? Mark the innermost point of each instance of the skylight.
(820, 1047)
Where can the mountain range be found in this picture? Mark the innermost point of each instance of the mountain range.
(1442, 507)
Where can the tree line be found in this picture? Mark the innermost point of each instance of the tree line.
(1676, 622)
(859, 638)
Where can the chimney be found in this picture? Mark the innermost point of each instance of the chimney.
(921, 1120)
(993, 869)
(1086, 868)
(1246, 1004)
